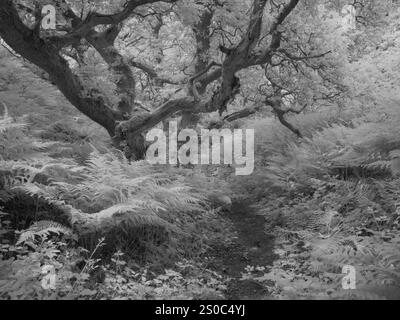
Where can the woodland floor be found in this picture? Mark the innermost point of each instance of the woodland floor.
(251, 246)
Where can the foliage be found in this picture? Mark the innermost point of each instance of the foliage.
(185, 282)
(74, 209)
(50, 272)
(42, 229)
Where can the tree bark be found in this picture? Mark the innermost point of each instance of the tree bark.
(201, 32)
(127, 129)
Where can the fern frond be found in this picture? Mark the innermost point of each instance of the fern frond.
(133, 215)
(42, 229)
(7, 123)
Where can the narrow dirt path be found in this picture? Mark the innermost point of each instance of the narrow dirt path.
(251, 247)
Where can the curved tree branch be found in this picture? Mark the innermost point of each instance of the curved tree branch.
(28, 44)
(45, 53)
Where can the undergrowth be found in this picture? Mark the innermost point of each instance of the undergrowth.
(331, 199)
(68, 208)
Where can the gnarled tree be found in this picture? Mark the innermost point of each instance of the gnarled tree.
(261, 41)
